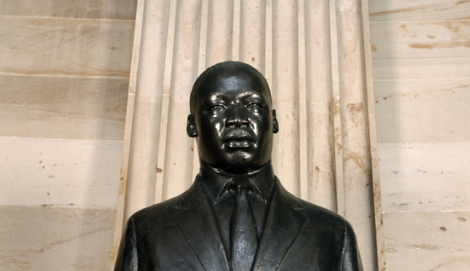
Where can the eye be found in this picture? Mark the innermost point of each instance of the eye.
(216, 108)
(254, 106)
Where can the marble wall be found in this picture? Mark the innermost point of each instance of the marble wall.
(64, 74)
(421, 64)
(64, 79)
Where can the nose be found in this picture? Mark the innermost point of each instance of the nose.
(236, 118)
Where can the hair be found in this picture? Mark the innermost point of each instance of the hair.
(227, 65)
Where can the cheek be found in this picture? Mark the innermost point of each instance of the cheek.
(218, 127)
(210, 129)
(261, 125)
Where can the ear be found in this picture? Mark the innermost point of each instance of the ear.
(275, 123)
(191, 126)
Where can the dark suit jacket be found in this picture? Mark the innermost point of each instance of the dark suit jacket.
(181, 234)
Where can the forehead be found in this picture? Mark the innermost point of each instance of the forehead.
(233, 83)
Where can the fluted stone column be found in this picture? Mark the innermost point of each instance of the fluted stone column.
(358, 186)
(314, 57)
(138, 171)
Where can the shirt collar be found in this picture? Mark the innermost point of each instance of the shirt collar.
(214, 182)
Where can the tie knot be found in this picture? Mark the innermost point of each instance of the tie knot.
(240, 185)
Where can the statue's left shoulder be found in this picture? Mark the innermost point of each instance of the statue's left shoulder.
(322, 218)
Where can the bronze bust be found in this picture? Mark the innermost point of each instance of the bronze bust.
(236, 215)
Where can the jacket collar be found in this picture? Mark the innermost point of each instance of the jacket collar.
(214, 182)
(194, 218)
(283, 224)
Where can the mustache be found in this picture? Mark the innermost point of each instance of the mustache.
(238, 134)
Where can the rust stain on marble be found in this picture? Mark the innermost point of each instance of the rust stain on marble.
(461, 2)
(339, 146)
(442, 45)
(377, 206)
(358, 107)
(453, 89)
(358, 160)
(401, 10)
(451, 262)
(336, 109)
(373, 48)
(122, 183)
(356, 113)
(453, 26)
(453, 29)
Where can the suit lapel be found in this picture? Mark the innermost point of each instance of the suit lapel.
(282, 227)
(196, 222)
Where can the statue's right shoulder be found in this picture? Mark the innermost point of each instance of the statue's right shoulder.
(165, 212)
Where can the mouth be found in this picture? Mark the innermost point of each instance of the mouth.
(238, 139)
(238, 144)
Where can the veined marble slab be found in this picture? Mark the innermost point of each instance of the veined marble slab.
(422, 111)
(422, 68)
(423, 241)
(47, 238)
(96, 9)
(421, 39)
(425, 177)
(418, 10)
(63, 107)
(59, 172)
(65, 47)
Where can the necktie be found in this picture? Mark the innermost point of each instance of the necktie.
(244, 240)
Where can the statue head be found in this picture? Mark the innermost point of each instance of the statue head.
(232, 118)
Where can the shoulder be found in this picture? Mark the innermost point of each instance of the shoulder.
(316, 216)
(154, 211)
(316, 212)
(325, 224)
(163, 213)
(335, 230)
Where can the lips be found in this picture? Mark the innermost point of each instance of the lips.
(237, 134)
(238, 138)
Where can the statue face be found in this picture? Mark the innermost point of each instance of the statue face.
(233, 120)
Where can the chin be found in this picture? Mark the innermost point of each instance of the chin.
(238, 163)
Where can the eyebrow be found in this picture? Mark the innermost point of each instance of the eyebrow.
(245, 95)
(254, 95)
(216, 96)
